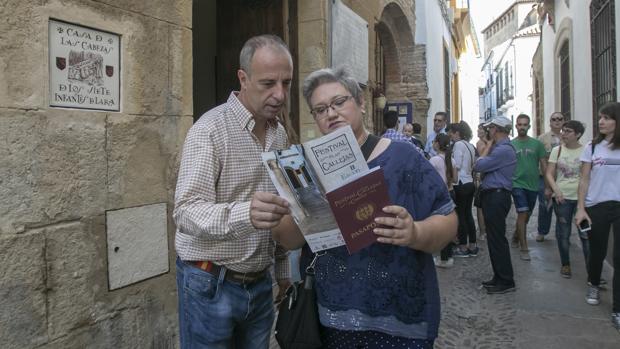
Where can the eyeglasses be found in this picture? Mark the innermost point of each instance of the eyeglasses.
(557, 119)
(437, 120)
(321, 111)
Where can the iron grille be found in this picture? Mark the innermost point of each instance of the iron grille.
(602, 29)
(565, 98)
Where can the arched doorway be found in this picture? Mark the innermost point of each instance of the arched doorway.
(400, 63)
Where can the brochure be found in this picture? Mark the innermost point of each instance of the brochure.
(316, 176)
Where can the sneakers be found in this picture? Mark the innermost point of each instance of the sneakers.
(460, 253)
(540, 238)
(444, 264)
(473, 252)
(593, 297)
(565, 271)
(525, 255)
(514, 243)
(615, 320)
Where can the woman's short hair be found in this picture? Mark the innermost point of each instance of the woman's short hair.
(462, 128)
(576, 126)
(328, 75)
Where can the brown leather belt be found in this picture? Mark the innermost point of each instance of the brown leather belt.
(231, 275)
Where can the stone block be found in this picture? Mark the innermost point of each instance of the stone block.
(137, 243)
(23, 61)
(22, 291)
(313, 45)
(52, 167)
(74, 269)
(311, 10)
(181, 89)
(178, 12)
(145, 69)
(142, 156)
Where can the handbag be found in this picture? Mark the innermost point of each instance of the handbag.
(298, 326)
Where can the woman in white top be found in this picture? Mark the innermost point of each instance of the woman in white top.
(445, 166)
(563, 171)
(599, 202)
(464, 155)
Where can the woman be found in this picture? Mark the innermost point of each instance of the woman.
(385, 295)
(599, 202)
(563, 177)
(483, 141)
(464, 155)
(445, 166)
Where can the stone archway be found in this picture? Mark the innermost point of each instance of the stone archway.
(404, 62)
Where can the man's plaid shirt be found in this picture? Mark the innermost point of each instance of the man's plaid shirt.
(221, 168)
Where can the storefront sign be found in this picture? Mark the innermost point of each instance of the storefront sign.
(84, 66)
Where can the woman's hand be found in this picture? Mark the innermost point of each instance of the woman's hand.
(559, 197)
(580, 215)
(399, 230)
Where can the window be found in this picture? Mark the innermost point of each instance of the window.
(565, 86)
(446, 79)
(603, 38)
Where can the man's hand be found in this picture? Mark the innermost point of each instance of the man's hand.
(267, 209)
(283, 285)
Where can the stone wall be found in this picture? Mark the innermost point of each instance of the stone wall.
(61, 170)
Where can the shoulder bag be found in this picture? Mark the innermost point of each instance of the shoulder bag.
(298, 326)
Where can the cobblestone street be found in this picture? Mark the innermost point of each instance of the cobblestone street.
(546, 311)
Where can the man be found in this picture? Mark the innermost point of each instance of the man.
(531, 161)
(550, 140)
(391, 122)
(497, 163)
(439, 126)
(224, 208)
(409, 130)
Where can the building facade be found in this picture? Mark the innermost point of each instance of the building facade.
(510, 44)
(578, 53)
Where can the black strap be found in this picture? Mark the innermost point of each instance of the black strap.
(369, 145)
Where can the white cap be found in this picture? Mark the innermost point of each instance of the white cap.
(500, 121)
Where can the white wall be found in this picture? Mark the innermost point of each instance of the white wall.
(574, 23)
(469, 81)
(437, 34)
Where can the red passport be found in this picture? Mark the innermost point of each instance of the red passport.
(356, 205)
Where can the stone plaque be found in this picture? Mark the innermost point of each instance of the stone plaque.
(84, 65)
(137, 244)
(349, 41)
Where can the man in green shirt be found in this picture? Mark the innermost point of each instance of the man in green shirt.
(530, 155)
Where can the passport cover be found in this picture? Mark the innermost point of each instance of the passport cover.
(355, 206)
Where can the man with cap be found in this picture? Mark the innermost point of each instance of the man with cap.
(497, 163)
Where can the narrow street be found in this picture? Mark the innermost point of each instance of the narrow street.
(546, 311)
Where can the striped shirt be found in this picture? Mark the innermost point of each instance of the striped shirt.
(220, 170)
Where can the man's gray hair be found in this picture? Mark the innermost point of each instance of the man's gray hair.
(328, 75)
(253, 44)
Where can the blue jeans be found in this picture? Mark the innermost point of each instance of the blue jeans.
(564, 213)
(544, 214)
(215, 313)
